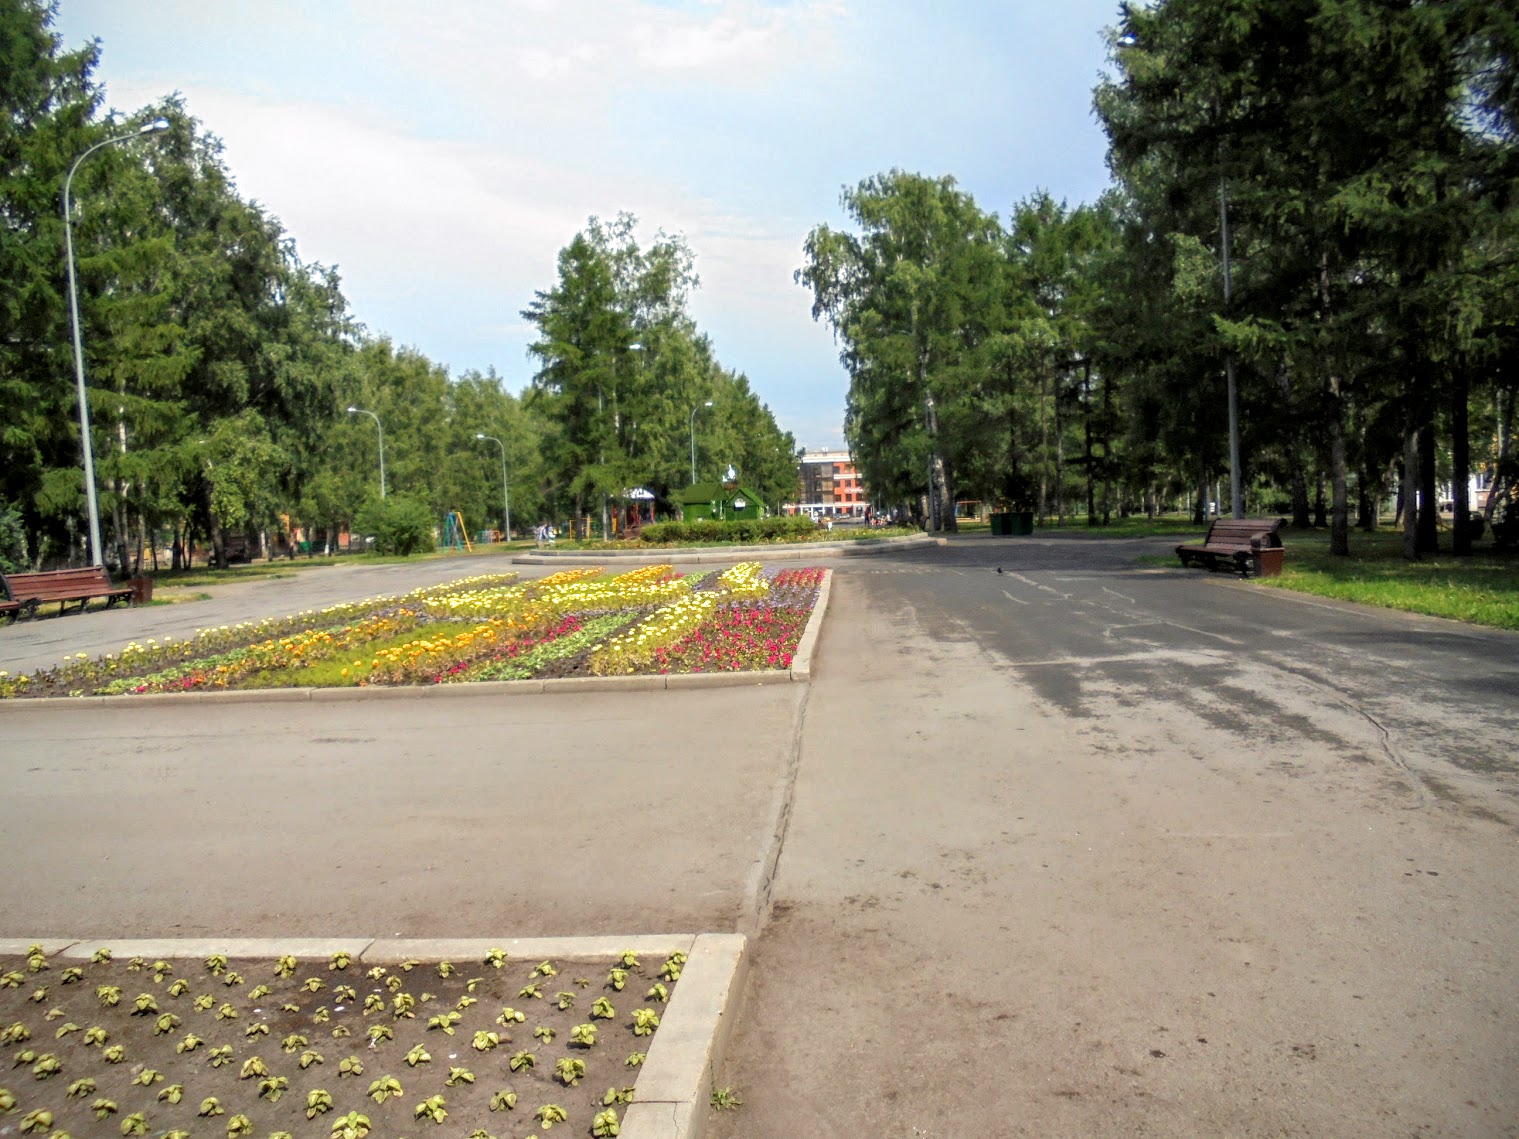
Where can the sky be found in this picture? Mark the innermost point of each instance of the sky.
(441, 154)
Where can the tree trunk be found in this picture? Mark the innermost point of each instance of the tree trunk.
(1339, 528)
(1428, 534)
(1200, 513)
(1320, 505)
(1059, 458)
(1460, 452)
(1300, 505)
(1410, 491)
(941, 503)
(1086, 425)
(1044, 448)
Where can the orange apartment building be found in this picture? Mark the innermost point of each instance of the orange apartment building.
(828, 483)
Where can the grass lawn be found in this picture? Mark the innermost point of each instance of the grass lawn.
(1482, 589)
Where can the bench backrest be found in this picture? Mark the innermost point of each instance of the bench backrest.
(50, 583)
(1242, 531)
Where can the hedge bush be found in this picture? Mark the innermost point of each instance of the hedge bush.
(778, 529)
(400, 524)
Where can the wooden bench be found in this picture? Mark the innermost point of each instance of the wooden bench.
(1243, 545)
(29, 590)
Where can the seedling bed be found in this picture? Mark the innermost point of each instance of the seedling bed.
(581, 622)
(328, 1048)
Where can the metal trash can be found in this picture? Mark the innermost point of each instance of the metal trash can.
(142, 590)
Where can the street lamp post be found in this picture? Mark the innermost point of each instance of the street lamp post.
(506, 486)
(694, 410)
(381, 429)
(97, 553)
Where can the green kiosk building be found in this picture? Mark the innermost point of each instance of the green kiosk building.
(721, 501)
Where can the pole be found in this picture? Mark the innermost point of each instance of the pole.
(97, 553)
(694, 409)
(380, 428)
(506, 486)
(1236, 495)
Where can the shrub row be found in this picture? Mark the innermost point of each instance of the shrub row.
(781, 528)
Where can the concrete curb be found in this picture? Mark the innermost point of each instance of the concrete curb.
(674, 1082)
(860, 547)
(801, 662)
(801, 670)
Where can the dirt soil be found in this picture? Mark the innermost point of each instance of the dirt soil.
(267, 1037)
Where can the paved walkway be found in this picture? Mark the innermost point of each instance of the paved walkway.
(1072, 849)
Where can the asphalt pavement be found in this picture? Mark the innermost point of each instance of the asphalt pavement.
(1074, 848)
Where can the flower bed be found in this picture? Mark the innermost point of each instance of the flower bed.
(575, 623)
(284, 1047)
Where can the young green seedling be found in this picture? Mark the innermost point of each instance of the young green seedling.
(569, 1071)
(47, 1065)
(544, 1033)
(658, 993)
(522, 1060)
(725, 1099)
(583, 1035)
(7, 1100)
(101, 956)
(374, 1003)
(350, 1126)
(294, 1042)
(564, 1000)
(402, 1006)
(216, 964)
(530, 991)
(165, 1024)
(408, 966)
(36, 1121)
(254, 1067)
(203, 1002)
(313, 984)
(617, 1095)
(544, 969)
(209, 1107)
(340, 1032)
(148, 1077)
(81, 1088)
(617, 978)
(179, 988)
(384, 1088)
(259, 992)
(172, 1094)
(457, 1076)
(495, 958)
(259, 1029)
(503, 1100)
(17, 1033)
(220, 1057)
(379, 1032)
(318, 1102)
(603, 1009)
(340, 960)
(70, 975)
(604, 1124)
(238, 1125)
(232, 979)
(95, 1035)
(550, 1114)
(109, 996)
(103, 1107)
(445, 969)
(629, 960)
(345, 994)
(114, 1054)
(418, 1055)
(272, 1088)
(510, 1016)
(485, 1041)
(376, 972)
(321, 1016)
(227, 1012)
(445, 1021)
(350, 1066)
(310, 1057)
(645, 1021)
(431, 1108)
(286, 966)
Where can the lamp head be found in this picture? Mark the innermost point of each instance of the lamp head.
(707, 404)
(352, 410)
(155, 125)
(479, 435)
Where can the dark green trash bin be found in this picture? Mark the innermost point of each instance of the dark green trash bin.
(1001, 524)
(1021, 522)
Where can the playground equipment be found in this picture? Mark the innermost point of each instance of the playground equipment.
(455, 536)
